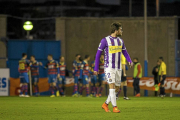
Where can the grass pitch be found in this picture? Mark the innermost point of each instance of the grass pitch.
(70, 108)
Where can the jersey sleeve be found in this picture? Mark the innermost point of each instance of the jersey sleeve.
(123, 46)
(101, 47)
(37, 65)
(74, 65)
(57, 65)
(102, 44)
(125, 53)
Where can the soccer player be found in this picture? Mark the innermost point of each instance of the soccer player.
(94, 83)
(23, 70)
(113, 46)
(34, 65)
(62, 79)
(76, 73)
(123, 77)
(101, 75)
(162, 76)
(53, 73)
(137, 76)
(85, 73)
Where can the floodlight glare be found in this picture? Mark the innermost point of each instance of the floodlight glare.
(28, 26)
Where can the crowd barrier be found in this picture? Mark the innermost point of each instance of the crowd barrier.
(172, 84)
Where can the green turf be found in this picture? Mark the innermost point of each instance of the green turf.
(67, 108)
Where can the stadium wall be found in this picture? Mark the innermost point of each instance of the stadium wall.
(3, 19)
(82, 35)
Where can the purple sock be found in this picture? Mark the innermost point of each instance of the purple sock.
(26, 89)
(92, 91)
(101, 90)
(61, 91)
(87, 91)
(55, 89)
(97, 89)
(35, 89)
(22, 89)
(75, 89)
(81, 90)
(51, 90)
(119, 92)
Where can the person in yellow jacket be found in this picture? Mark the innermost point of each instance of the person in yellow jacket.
(162, 76)
(137, 76)
(123, 79)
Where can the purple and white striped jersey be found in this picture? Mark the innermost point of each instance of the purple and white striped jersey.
(113, 47)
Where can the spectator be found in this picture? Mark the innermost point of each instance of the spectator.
(156, 77)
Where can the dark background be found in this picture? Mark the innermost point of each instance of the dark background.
(45, 29)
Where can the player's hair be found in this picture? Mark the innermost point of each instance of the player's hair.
(136, 59)
(161, 58)
(24, 54)
(50, 55)
(102, 54)
(33, 56)
(77, 55)
(80, 59)
(86, 56)
(115, 26)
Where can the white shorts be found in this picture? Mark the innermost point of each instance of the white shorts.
(113, 76)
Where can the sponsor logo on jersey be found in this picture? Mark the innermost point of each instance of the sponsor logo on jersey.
(115, 49)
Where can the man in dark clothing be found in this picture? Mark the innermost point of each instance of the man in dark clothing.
(156, 78)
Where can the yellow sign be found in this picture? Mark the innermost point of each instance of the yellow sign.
(115, 49)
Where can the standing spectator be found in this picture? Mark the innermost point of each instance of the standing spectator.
(162, 76)
(137, 75)
(156, 77)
